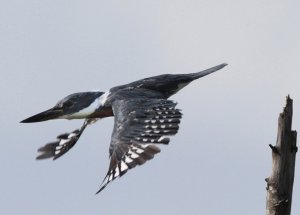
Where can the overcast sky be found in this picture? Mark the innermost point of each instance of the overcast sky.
(217, 162)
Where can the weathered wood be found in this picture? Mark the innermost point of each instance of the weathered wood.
(280, 183)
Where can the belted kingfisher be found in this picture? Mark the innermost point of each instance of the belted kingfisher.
(143, 118)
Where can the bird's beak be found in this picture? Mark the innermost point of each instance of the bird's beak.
(43, 116)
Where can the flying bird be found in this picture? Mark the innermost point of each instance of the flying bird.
(143, 118)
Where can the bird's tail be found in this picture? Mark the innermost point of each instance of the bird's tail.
(208, 71)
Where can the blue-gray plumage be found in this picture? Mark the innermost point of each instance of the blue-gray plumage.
(144, 117)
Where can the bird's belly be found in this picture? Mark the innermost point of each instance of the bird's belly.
(180, 86)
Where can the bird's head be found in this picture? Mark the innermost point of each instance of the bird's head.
(75, 106)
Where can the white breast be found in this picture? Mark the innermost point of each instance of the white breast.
(103, 98)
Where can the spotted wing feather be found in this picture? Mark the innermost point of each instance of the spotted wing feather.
(140, 124)
(63, 143)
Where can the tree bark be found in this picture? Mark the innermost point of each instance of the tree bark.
(280, 182)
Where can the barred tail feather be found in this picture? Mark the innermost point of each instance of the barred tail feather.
(208, 71)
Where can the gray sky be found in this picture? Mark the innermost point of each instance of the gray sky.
(218, 161)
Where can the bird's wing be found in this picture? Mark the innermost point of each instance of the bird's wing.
(140, 124)
(63, 143)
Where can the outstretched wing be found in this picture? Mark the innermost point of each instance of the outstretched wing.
(63, 143)
(139, 125)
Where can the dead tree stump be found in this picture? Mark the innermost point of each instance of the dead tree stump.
(280, 183)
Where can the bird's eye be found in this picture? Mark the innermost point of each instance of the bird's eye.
(68, 104)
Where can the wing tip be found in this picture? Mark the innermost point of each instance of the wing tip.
(101, 188)
(137, 154)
